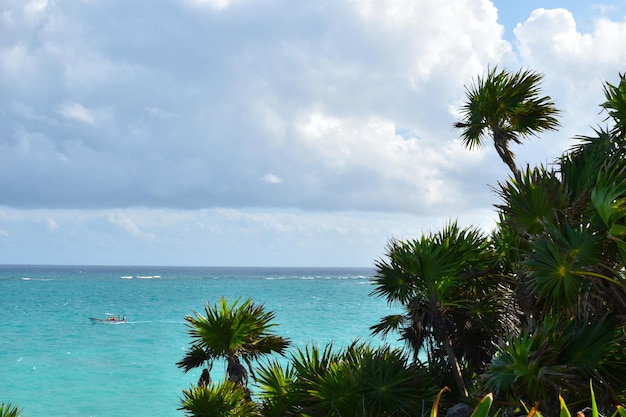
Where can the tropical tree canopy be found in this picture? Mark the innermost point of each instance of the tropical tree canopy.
(241, 331)
(454, 305)
(506, 107)
(563, 232)
(538, 307)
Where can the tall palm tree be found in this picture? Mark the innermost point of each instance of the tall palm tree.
(236, 332)
(453, 305)
(508, 107)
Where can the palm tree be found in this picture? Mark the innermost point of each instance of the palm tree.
(454, 307)
(507, 107)
(236, 333)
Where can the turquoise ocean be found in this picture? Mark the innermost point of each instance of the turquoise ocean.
(55, 362)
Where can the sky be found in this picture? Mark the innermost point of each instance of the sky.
(270, 132)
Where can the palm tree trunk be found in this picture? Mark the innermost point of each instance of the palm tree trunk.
(507, 157)
(236, 371)
(454, 365)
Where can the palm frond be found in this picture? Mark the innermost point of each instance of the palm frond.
(556, 263)
(528, 204)
(196, 357)
(615, 105)
(9, 410)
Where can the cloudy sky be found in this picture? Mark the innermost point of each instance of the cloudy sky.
(269, 132)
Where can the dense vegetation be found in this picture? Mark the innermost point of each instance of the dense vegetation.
(529, 314)
(538, 307)
(533, 313)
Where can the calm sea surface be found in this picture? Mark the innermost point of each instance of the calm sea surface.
(55, 362)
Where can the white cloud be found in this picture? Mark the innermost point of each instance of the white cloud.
(372, 147)
(435, 38)
(575, 65)
(550, 39)
(347, 104)
(215, 4)
(14, 61)
(35, 7)
(155, 111)
(76, 111)
(272, 179)
(222, 236)
(52, 225)
(126, 223)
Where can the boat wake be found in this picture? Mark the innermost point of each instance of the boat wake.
(141, 277)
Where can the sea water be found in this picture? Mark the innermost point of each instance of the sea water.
(55, 362)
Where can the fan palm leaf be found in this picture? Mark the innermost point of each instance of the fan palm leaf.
(609, 200)
(195, 357)
(278, 390)
(560, 265)
(615, 105)
(560, 356)
(527, 204)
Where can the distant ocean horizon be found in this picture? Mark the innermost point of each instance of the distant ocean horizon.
(55, 362)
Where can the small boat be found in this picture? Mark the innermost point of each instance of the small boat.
(110, 319)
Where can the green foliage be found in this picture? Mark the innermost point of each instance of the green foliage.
(615, 105)
(358, 381)
(506, 106)
(539, 197)
(454, 305)
(225, 399)
(9, 410)
(559, 264)
(484, 406)
(235, 332)
(279, 394)
(559, 357)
